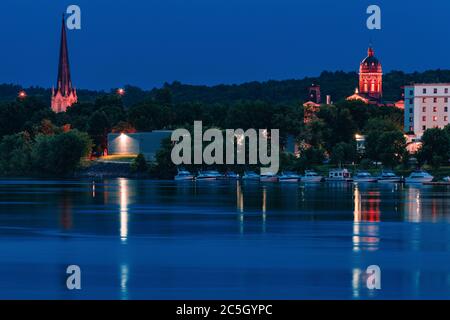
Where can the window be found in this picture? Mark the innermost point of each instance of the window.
(434, 118)
(424, 91)
(424, 109)
(424, 118)
(411, 92)
(411, 119)
(445, 109)
(411, 129)
(424, 100)
(435, 100)
(446, 90)
(424, 128)
(434, 109)
(446, 119)
(445, 100)
(435, 91)
(411, 110)
(411, 101)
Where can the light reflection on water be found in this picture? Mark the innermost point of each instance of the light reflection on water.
(231, 239)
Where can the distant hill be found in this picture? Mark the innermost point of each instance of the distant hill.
(337, 84)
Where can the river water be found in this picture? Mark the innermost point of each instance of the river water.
(135, 239)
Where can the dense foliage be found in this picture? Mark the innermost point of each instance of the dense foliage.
(33, 138)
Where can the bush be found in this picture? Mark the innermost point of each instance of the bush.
(139, 164)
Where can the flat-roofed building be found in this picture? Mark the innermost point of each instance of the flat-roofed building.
(147, 143)
(426, 106)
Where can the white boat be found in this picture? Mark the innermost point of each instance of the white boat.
(184, 175)
(339, 175)
(208, 175)
(389, 177)
(251, 176)
(287, 176)
(311, 177)
(230, 175)
(419, 177)
(363, 177)
(269, 177)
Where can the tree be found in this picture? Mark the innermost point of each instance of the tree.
(98, 127)
(149, 116)
(60, 154)
(139, 164)
(435, 148)
(343, 152)
(15, 154)
(385, 142)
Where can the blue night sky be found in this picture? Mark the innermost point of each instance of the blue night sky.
(147, 43)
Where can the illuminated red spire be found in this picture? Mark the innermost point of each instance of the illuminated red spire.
(370, 52)
(65, 95)
(64, 83)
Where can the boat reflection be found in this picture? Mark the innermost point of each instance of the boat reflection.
(366, 218)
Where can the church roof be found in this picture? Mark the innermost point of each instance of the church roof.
(64, 82)
(370, 60)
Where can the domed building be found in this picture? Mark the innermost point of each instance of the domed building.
(370, 80)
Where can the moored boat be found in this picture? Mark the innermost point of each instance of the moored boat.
(364, 177)
(251, 176)
(339, 175)
(208, 175)
(269, 177)
(287, 176)
(230, 175)
(389, 177)
(311, 177)
(184, 175)
(419, 177)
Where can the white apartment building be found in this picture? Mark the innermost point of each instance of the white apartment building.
(426, 106)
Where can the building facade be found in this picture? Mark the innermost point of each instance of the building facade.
(65, 95)
(147, 143)
(426, 106)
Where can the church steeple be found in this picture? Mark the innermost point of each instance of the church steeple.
(65, 95)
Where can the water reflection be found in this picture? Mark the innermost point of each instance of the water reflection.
(414, 204)
(366, 216)
(66, 218)
(123, 196)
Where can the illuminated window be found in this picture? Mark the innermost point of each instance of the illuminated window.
(434, 118)
(446, 119)
(424, 100)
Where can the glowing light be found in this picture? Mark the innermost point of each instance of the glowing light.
(22, 94)
(121, 92)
